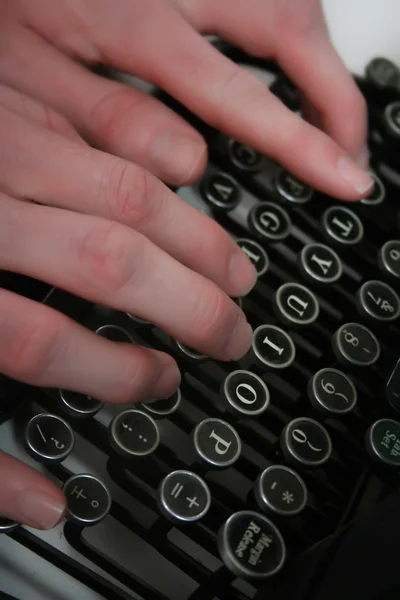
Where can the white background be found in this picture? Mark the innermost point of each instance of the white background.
(364, 29)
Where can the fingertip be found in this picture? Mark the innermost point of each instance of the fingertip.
(41, 509)
(27, 497)
(356, 177)
(168, 377)
(364, 158)
(168, 382)
(178, 158)
(242, 274)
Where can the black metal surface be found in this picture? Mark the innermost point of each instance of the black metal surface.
(138, 552)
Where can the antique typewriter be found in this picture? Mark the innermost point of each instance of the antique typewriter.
(243, 483)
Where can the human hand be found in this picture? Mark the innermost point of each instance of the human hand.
(106, 228)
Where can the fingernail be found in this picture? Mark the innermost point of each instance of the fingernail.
(356, 177)
(240, 340)
(363, 158)
(242, 274)
(167, 383)
(40, 510)
(177, 156)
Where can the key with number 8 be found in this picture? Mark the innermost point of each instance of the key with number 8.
(355, 345)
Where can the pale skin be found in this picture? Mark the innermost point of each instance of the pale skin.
(92, 153)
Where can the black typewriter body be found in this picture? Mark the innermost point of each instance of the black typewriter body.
(244, 483)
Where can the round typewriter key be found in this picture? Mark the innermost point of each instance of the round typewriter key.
(7, 526)
(189, 352)
(332, 392)
(88, 499)
(221, 191)
(354, 344)
(273, 347)
(256, 254)
(217, 443)
(183, 496)
(383, 73)
(342, 225)
(292, 189)
(48, 438)
(378, 300)
(251, 546)
(392, 391)
(306, 442)
(134, 433)
(165, 406)
(280, 491)
(391, 117)
(389, 258)
(296, 305)
(246, 393)
(115, 333)
(383, 442)
(139, 321)
(377, 194)
(320, 263)
(244, 158)
(78, 404)
(269, 221)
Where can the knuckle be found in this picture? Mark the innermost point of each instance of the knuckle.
(29, 348)
(105, 255)
(298, 18)
(213, 247)
(235, 81)
(241, 88)
(130, 193)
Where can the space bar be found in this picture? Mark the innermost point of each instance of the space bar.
(130, 553)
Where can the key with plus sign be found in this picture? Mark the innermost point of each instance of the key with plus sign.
(183, 496)
(193, 502)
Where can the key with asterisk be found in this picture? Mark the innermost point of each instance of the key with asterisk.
(287, 497)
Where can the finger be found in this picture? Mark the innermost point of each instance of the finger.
(114, 266)
(230, 99)
(295, 33)
(306, 53)
(227, 97)
(117, 118)
(37, 112)
(42, 347)
(115, 189)
(27, 497)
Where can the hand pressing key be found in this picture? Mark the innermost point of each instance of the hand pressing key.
(91, 153)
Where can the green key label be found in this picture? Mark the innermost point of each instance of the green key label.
(386, 441)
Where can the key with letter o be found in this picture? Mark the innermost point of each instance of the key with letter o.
(246, 393)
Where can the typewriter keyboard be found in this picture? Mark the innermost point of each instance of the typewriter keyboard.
(215, 492)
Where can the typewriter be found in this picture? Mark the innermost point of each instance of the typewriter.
(255, 477)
